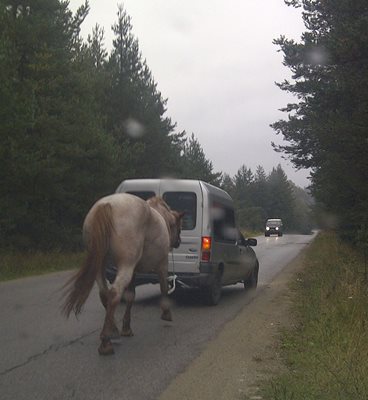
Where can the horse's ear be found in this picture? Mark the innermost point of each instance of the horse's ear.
(181, 214)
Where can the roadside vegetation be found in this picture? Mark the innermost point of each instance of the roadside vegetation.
(18, 265)
(259, 196)
(326, 351)
(325, 126)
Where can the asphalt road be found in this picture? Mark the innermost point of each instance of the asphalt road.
(44, 356)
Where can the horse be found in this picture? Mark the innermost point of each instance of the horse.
(138, 235)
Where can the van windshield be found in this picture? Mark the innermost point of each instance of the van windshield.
(273, 223)
(183, 201)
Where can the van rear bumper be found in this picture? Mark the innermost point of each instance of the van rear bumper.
(193, 280)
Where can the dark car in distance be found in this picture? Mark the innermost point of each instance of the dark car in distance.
(274, 227)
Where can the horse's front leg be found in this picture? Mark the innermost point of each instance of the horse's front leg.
(129, 297)
(165, 302)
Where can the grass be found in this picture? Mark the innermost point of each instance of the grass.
(249, 233)
(327, 350)
(15, 265)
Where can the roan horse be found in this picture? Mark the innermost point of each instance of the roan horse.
(138, 235)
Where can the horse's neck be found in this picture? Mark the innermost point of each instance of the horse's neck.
(165, 214)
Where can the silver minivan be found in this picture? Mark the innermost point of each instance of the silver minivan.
(213, 252)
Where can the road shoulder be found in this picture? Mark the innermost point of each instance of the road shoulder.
(245, 352)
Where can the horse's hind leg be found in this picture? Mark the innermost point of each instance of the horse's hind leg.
(122, 281)
(102, 289)
(108, 328)
(104, 295)
(165, 302)
(129, 295)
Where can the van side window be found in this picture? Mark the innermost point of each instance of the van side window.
(223, 223)
(145, 195)
(183, 201)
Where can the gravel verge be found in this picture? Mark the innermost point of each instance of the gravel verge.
(246, 352)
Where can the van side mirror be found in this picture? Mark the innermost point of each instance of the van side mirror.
(251, 242)
(241, 241)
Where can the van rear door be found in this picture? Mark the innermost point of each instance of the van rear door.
(185, 197)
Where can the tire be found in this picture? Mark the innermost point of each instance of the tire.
(267, 234)
(252, 281)
(212, 292)
(280, 234)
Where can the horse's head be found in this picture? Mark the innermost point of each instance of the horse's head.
(175, 229)
(172, 218)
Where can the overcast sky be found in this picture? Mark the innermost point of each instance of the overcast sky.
(215, 62)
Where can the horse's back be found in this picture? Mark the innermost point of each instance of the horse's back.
(123, 201)
(138, 229)
(129, 212)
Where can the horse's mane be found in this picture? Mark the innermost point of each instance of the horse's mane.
(158, 201)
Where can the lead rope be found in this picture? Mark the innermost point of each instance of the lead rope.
(171, 280)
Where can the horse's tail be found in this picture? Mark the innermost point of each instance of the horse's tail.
(80, 285)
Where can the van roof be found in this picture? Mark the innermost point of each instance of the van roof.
(185, 184)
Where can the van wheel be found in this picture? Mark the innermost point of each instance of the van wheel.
(213, 291)
(252, 281)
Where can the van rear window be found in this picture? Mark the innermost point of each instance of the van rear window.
(145, 195)
(183, 201)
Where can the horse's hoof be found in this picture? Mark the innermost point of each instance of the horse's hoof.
(166, 315)
(127, 332)
(115, 334)
(105, 348)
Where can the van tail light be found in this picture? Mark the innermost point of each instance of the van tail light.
(206, 248)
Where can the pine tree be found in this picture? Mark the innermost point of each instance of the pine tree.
(303, 215)
(135, 109)
(55, 156)
(327, 129)
(281, 204)
(243, 180)
(261, 195)
(196, 165)
(227, 184)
